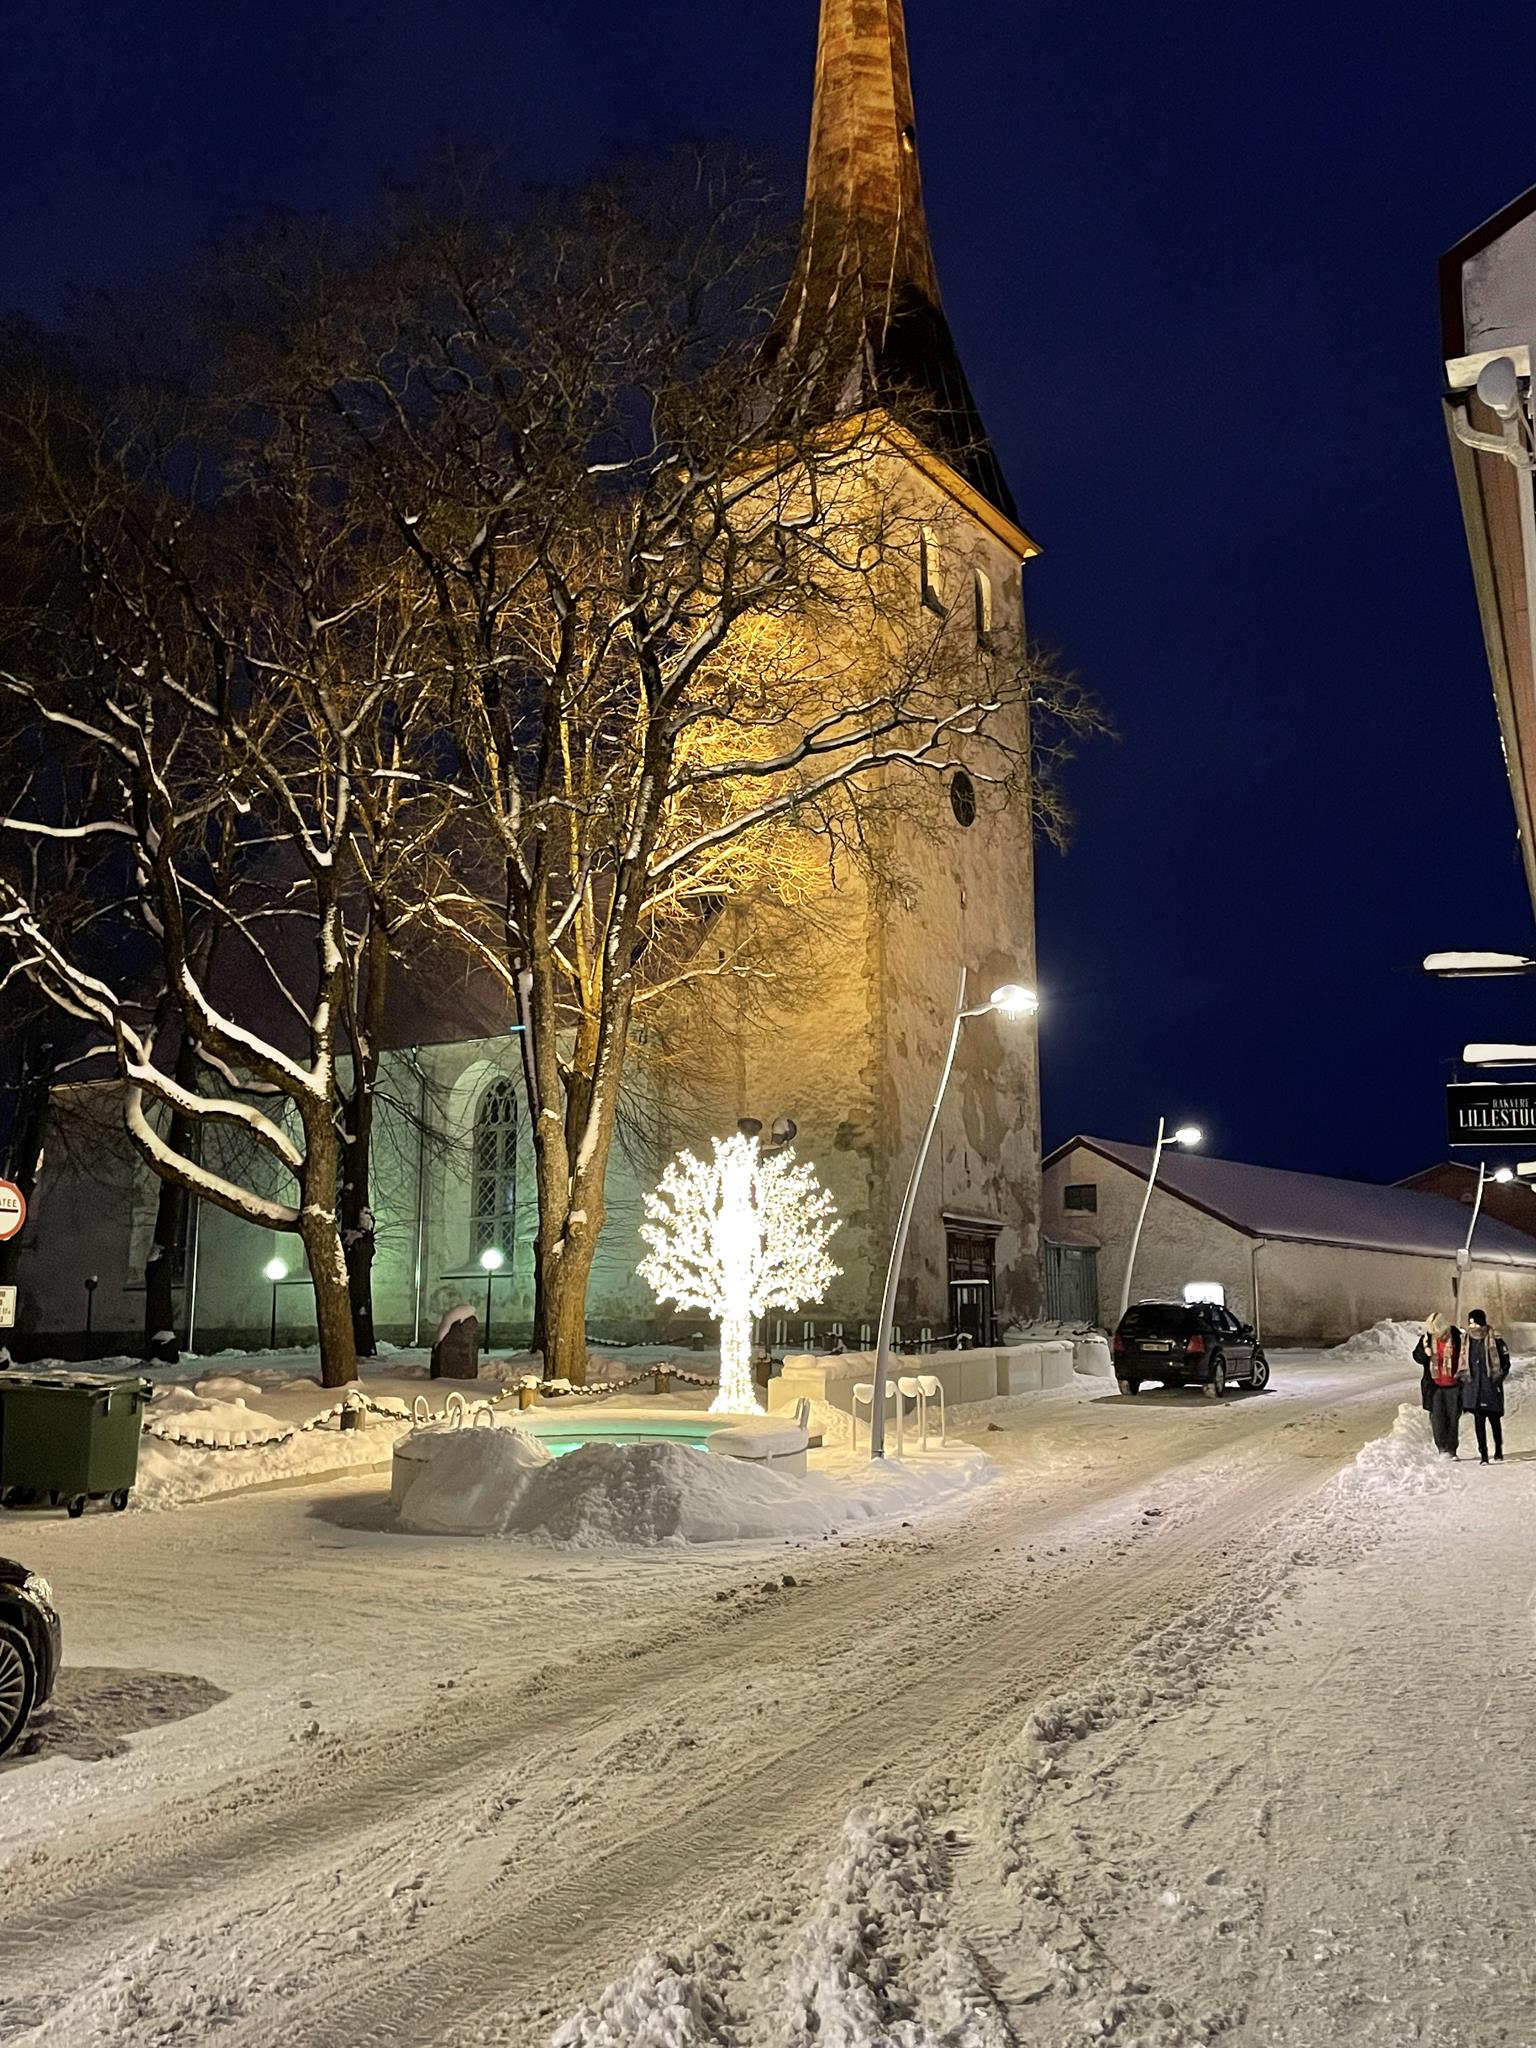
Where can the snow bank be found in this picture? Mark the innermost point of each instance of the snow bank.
(250, 1446)
(873, 1965)
(606, 1496)
(1386, 1339)
(463, 1482)
(1401, 1464)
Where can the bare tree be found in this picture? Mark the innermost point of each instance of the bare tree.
(683, 654)
(232, 656)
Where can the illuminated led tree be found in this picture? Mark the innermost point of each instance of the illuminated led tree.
(737, 1235)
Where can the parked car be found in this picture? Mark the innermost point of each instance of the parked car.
(1185, 1344)
(30, 1646)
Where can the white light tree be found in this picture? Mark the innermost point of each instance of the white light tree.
(735, 1236)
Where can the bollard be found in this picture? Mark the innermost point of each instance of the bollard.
(526, 1395)
(663, 1380)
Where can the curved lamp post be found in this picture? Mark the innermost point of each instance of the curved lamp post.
(492, 1259)
(1010, 1001)
(1186, 1134)
(1464, 1256)
(275, 1271)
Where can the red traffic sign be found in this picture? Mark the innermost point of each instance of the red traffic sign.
(13, 1209)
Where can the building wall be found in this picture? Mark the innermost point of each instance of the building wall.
(1306, 1293)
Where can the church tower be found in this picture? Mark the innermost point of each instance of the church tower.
(854, 1057)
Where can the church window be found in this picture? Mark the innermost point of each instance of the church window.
(929, 573)
(494, 1201)
(962, 797)
(983, 592)
(1083, 1194)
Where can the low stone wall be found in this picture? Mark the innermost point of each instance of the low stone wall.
(980, 1375)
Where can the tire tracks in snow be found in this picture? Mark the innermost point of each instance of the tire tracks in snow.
(883, 1638)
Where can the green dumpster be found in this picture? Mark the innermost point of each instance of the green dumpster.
(69, 1436)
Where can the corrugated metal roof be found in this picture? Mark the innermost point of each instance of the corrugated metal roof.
(1310, 1208)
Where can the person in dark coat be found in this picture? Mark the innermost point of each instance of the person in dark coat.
(1483, 1369)
(1439, 1352)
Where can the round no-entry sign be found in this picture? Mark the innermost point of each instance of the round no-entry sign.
(13, 1209)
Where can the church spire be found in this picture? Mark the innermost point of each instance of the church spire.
(862, 312)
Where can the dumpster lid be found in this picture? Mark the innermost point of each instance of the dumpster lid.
(78, 1382)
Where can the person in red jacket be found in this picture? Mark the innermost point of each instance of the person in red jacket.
(1439, 1352)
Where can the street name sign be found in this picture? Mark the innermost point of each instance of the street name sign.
(13, 1209)
(1484, 1113)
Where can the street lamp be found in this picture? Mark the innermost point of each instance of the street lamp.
(1502, 1174)
(492, 1259)
(276, 1272)
(1188, 1135)
(1015, 1003)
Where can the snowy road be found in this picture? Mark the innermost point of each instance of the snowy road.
(442, 1791)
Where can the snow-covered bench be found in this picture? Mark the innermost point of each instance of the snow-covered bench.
(777, 1441)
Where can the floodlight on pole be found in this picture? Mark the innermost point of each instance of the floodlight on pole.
(277, 1272)
(1187, 1135)
(1013, 1002)
(492, 1259)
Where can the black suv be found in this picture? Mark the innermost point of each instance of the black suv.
(1186, 1344)
(30, 1645)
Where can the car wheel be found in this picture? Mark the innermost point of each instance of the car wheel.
(1260, 1372)
(1129, 1386)
(18, 1684)
(1216, 1385)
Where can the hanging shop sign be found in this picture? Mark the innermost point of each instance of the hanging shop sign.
(1490, 1113)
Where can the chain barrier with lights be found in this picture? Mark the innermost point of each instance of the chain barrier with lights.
(462, 1412)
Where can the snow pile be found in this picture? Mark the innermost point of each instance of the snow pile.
(173, 1475)
(872, 1966)
(660, 2004)
(1399, 1465)
(1386, 1339)
(463, 1482)
(214, 1410)
(223, 1387)
(603, 1496)
(875, 1946)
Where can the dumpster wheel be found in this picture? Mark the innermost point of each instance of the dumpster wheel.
(77, 1507)
(120, 1499)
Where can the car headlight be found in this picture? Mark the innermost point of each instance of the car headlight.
(37, 1588)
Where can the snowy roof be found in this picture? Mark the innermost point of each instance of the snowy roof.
(1310, 1208)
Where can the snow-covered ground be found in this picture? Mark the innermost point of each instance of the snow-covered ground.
(1167, 1737)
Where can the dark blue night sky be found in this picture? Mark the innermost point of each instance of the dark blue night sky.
(1189, 255)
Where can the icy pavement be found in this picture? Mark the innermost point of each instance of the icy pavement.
(1166, 1738)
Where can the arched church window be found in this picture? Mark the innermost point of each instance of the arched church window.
(983, 593)
(962, 797)
(928, 571)
(494, 1190)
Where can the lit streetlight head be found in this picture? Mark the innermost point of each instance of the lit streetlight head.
(275, 1270)
(1189, 1134)
(492, 1259)
(1505, 1173)
(1013, 1000)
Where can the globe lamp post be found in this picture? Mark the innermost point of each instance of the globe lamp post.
(492, 1259)
(275, 1271)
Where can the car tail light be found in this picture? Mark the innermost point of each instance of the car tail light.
(1194, 1345)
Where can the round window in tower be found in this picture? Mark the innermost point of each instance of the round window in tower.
(962, 797)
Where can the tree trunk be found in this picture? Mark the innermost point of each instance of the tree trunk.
(358, 1232)
(34, 1104)
(327, 1261)
(566, 1275)
(162, 1269)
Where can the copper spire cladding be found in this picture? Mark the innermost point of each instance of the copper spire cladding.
(862, 316)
